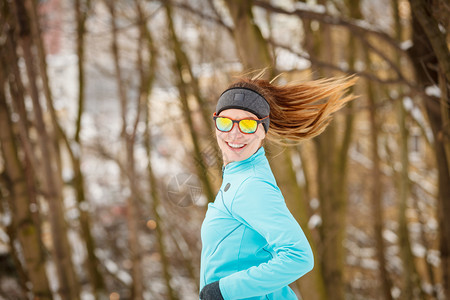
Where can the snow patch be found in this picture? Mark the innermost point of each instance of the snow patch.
(85, 295)
(287, 60)
(369, 263)
(317, 8)
(419, 250)
(34, 207)
(416, 113)
(84, 206)
(314, 221)
(343, 65)
(434, 257)
(408, 103)
(4, 241)
(67, 174)
(395, 292)
(6, 219)
(433, 90)
(125, 277)
(111, 266)
(432, 224)
(405, 45)
(360, 66)
(314, 203)
(389, 236)
(427, 287)
(393, 94)
(419, 179)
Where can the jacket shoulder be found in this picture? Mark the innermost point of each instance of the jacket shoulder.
(255, 189)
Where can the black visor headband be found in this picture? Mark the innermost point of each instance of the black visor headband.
(245, 99)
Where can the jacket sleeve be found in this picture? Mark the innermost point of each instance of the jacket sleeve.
(261, 206)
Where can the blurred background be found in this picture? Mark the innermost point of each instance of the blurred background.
(108, 155)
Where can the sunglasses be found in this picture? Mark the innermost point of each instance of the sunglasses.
(246, 126)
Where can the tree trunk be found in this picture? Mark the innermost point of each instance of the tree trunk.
(10, 64)
(425, 63)
(81, 8)
(23, 225)
(183, 87)
(332, 213)
(146, 82)
(250, 44)
(425, 240)
(211, 156)
(182, 246)
(42, 70)
(281, 160)
(435, 37)
(331, 178)
(68, 284)
(154, 208)
(129, 139)
(93, 263)
(411, 281)
(376, 191)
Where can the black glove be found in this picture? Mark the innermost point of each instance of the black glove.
(211, 292)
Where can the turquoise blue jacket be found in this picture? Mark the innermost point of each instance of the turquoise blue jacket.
(251, 242)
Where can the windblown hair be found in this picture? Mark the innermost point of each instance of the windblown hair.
(300, 111)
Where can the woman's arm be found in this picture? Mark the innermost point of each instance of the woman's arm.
(261, 206)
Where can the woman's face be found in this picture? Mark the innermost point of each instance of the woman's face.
(235, 145)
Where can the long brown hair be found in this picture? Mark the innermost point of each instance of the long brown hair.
(300, 111)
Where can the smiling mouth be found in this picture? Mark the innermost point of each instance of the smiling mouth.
(236, 146)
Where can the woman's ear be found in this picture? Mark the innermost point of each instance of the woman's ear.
(263, 141)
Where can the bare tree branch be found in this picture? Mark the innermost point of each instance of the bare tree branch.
(368, 75)
(356, 28)
(380, 53)
(328, 19)
(215, 19)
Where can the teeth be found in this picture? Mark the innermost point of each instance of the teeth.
(236, 145)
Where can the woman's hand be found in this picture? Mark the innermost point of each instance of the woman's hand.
(211, 292)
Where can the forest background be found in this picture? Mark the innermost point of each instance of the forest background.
(108, 157)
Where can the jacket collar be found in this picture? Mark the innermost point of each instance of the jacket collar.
(238, 166)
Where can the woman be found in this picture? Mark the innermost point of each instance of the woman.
(252, 245)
